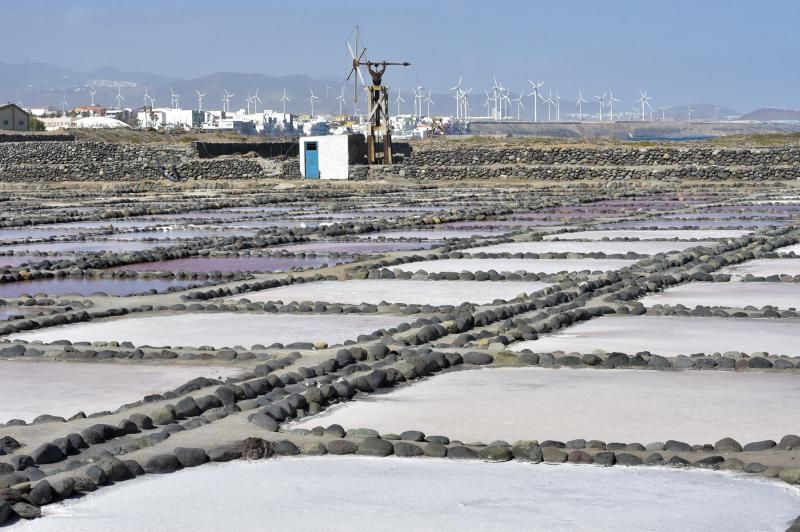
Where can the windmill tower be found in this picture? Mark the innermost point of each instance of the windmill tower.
(378, 98)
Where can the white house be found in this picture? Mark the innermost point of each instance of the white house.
(330, 156)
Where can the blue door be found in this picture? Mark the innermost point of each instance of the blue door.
(312, 160)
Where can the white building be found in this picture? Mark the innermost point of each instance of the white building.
(330, 156)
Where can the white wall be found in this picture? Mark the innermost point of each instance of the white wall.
(333, 154)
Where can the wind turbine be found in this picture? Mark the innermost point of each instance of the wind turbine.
(716, 112)
(200, 99)
(175, 99)
(148, 100)
(120, 98)
(396, 100)
(465, 102)
(64, 104)
(457, 96)
(489, 99)
(311, 100)
(419, 95)
(285, 99)
(663, 111)
(549, 102)
(611, 101)
(601, 100)
(689, 112)
(558, 107)
(92, 92)
(644, 99)
(535, 93)
(579, 104)
(226, 100)
(339, 99)
(520, 105)
(256, 101)
(430, 102)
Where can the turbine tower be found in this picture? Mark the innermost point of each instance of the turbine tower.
(92, 92)
(689, 112)
(200, 99)
(285, 99)
(457, 95)
(311, 100)
(644, 99)
(226, 100)
(601, 100)
(120, 98)
(579, 104)
(175, 99)
(549, 102)
(520, 105)
(535, 93)
(397, 100)
(256, 100)
(339, 99)
(430, 102)
(611, 101)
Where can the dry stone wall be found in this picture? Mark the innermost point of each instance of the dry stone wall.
(96, 161)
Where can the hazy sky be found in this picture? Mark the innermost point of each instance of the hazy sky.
(740, 53)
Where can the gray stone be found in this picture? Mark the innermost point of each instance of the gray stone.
(762, 445)
(728, 445)
(161, 463)
(375, 447)
(190, 456)
(47, 453)
(435, 450)
(604, 458)
(42, 493)
(23, 510)
(285, 448)
(405, 449)
(460, 452)
(527, 451)
(341, 447)
(224, 453)
(554, 455)
(264, 421)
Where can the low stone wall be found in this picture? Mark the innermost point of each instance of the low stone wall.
(96, 161)
(578, 173)
(655, 156)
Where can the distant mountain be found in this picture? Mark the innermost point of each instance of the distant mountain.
(768, 114)
(700, 111)
(41, 85)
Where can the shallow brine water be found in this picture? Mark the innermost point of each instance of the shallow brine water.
(84, 287)
(672, 335)
(359, 247)
(42, 387)
(115, 246)
(764, 267)
(222, 329)
(608, 405)
(656, 234)
(642, 247)
(475, 496)
(231, 264)
(734, 294)
(515, 265)
(399, 291)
